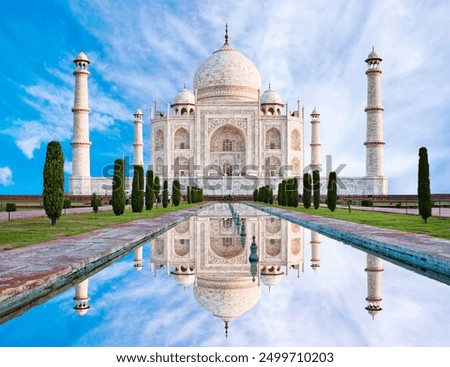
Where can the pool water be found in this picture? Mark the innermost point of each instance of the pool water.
(193, 286)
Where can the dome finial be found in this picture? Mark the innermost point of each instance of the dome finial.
(226, 329)
(226, 33)
(269, 85)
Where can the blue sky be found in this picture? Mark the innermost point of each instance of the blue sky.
(142, 51)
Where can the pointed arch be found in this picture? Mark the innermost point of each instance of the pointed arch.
(273, 138)
(159, 140)
(181, 138)
(296, 140)
(273, 165)
(296, 167)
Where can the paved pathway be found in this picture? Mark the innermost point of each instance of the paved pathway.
(436, 212)
(30, 273)
(36, 213)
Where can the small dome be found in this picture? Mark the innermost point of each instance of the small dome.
(271, 279)
(81, 57)
(184, 279)
(271, 97)
(184, 97)
(138, 112)
(373, 56)
(315, 112)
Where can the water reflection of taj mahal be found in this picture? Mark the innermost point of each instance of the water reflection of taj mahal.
(209, 253)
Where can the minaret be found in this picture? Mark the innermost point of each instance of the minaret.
(138, 258)
(315, 141)
(138, 159)
(315, 250)
(374, 137)
(80, 182)
(374, 269)
(81, 298)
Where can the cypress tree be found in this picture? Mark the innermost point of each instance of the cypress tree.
(189, 195)
(201, 194)
(306, 190)
(316, 189)
(295, 199)
(289, 188)
(176, 192)
(137, 190)
(255, 195)
(271, 196)
(279, 194)
(423, 188)
(157, 189)
(95, 202)
(165, 200)
(149, 193)
(283, 197)
(332, 192)
(118, 186)
(53, 193)
(67, 204)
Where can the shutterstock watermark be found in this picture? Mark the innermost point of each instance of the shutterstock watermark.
(225, 177)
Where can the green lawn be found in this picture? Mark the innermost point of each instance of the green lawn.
(436, 227)
(24, 232)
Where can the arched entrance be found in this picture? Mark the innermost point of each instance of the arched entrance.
(227, 150)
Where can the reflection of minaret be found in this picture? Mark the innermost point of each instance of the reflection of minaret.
(374, 270)
(315, 250)
(138, 259)
(81, 298)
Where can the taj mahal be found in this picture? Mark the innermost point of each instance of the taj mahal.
(227, 136)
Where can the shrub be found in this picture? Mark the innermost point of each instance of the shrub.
(95, 201)
(316, 189)
(53, 193)
(366, 202)
(10, 207)
(118, 194)
(332, 192)
(165, 200)
(137, 191)
(149, 191)
(176, 192)
(306, 190)
(189, 195)
(157, 189)
(423, 187)
(66, 204)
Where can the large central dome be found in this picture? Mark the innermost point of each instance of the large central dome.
(227, 73)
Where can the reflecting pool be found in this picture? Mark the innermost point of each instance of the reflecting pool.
(194, 286)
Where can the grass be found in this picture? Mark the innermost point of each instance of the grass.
(25, 232)
(436, 227)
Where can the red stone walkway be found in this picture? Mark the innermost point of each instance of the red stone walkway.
(26, 214)
(30, 273)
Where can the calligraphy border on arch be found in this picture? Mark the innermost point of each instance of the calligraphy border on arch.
(219, 121)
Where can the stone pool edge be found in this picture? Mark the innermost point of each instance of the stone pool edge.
(416, 250)
(17, 293)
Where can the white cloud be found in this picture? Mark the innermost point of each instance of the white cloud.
(6, 176)
(307, 50)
